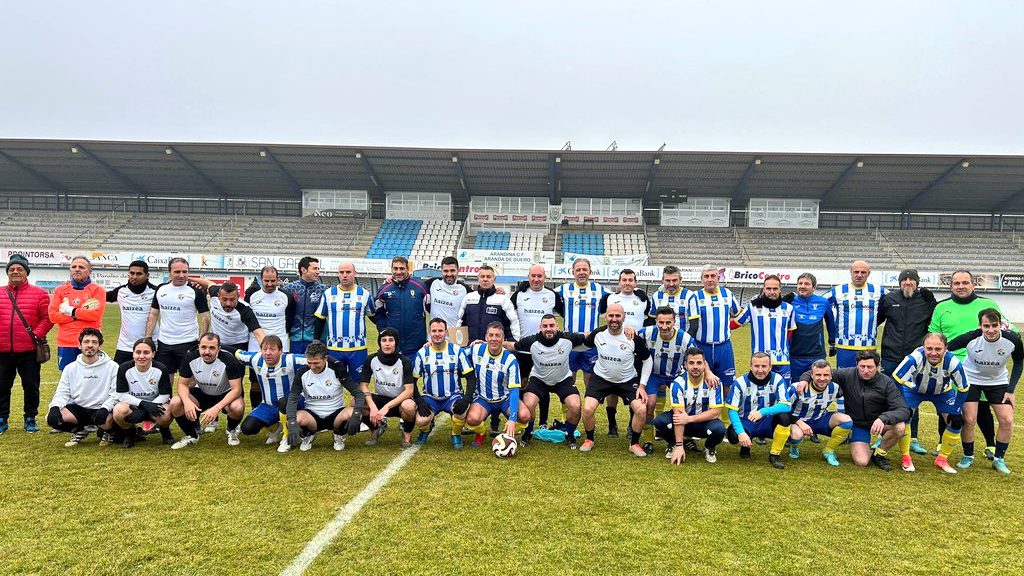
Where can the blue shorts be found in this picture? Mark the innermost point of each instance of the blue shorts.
(297, 346)
(846, 358)
(721, 361)
(584, 360)
(800, 364)
(859, 434)
(949, 402)
(438, 405)
(491, 407)
(763, 428)
(658, 384)
(66, 355)
(268, 415)
(783, 370)
(354, 359)
(820, 425)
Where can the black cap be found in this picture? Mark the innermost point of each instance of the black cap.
(911, 274)
(20, 260)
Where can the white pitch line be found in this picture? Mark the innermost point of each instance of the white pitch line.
(348, 512)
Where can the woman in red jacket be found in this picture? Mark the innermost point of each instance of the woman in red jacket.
(76, 305)
(17, 348)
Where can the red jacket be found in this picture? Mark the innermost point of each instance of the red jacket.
(32, 301)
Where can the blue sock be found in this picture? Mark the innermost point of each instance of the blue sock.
(1001, 448)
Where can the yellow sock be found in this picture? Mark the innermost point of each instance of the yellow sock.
(457, 425)
(424, 428)
(724, 417)
(648, 434)
(949, 441)
(480, 428)
(880, 452)
(839, 435)
(905, 445)
(779, 438)
(659, 405)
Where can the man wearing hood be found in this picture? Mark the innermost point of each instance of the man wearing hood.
(77, 304)
(772, 322)
(394, 391)
(84, 392)
(18, 342)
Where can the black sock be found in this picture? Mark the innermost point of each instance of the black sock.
(495, 421)
(968, 449)
(408, 427)
(914, 420)
(544, 405)
(986, 424)
(634, 437)
(942, 427)
(1001, 448)
(590, 435)
(610, 411)
(528, 431)
(165, 432)
(233, 423)
(187, 426)
(255, 396)
(119, 434)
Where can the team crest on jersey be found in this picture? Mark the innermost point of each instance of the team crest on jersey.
(277, 303)
(215, 373)
(76, 301)
(544, 299)
(1000, 351)
(181, 296)
(412, 292)
(152, 381)
(622, 346)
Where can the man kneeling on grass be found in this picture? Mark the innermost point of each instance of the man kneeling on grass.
(83, 391)
(316, 401)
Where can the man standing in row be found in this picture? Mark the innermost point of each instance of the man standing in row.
(306, 293)
(134, 298)
(856, 308)
(18, 340)
(181, 311)
(76, 305)
(401, 304)
(812, 314)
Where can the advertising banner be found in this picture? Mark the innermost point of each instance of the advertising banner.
(607, 260)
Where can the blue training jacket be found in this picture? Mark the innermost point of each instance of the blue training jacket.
(809, 337)
(400, 305)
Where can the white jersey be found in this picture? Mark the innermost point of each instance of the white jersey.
(532, 305)
(324, 393)
(271, 309)
(581, 306)
(550, 358)
(445, 299)
(178, 307)
(985, 363)
(769, 330)
(153, 385)
(714, 311)
(213, 379)
(856, 311)
(233, 327)
(617, 356)
(634, 307)
(390, 379)
(134, 313)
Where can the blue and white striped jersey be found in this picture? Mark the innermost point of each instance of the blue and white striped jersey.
(441, 370)
(856, 314)
(581, 306)
(495, 375)
(667, 354)
(811, 404)
(917, 373)
(679, 302)
(714, 312)
(345, 314)
(769, 330)
(694, 398)
(745, 395)
(275, 381)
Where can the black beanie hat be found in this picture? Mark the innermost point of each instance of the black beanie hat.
(20, 260)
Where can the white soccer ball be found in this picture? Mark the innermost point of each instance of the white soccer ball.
(504, 446)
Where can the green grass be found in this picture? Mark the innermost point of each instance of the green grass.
(214, 510)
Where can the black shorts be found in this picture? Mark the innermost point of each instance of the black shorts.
(171, 355)
(525, 365)
(599, 389)
(380, 400)
(82, 415)
(563, 389)
(325, 422)
(122, 356)
(206, 401)
(993, 394)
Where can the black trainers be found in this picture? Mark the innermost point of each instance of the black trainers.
(613, 430)
(744, 452)
(690, 446)
(882, 462)
(648, 448)
(814, 438)
(776, 462)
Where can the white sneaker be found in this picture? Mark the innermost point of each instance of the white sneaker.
(212, 426)
(339, 442)
(76, 438)
(284, 446)
(184, 442)
(710, 456)
(274, 434)
(307, 442)
(233, 437)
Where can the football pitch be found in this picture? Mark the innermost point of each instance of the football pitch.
(211, 509)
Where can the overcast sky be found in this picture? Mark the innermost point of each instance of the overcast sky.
(817, 76)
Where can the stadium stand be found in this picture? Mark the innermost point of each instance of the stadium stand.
(623, 244)
(51, 229)
(526, 241)
(488, 240)
(930, 250)
(583, 243)
(693, 246)
(396, 237)
(436, 239)
(822, 248)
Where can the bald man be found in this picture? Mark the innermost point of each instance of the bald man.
(340, 321)
(622, 368)
(856, 310)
